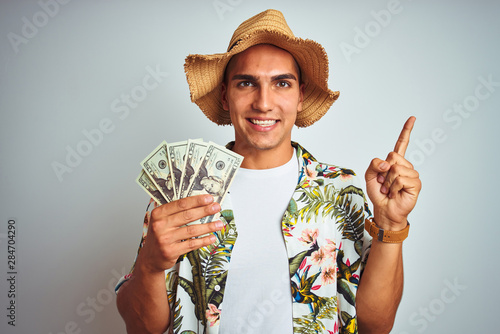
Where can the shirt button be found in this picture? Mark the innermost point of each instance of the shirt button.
(217, 287)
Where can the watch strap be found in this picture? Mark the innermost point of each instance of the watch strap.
(386, 236)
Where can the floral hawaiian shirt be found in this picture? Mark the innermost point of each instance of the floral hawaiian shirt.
(327, 246)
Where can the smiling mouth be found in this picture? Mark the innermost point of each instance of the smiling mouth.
(261, 122)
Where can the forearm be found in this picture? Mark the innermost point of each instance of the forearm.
(143, 303)
(380, 288)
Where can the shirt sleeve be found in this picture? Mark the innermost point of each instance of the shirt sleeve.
(145, 225)
(352, 256)
(367, 239)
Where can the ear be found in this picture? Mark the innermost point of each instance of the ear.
(223, 92)
(301, 97)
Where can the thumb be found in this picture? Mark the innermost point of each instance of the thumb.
(377, 168)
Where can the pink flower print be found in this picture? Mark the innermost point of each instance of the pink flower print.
(213, 315)
(330, 249)
(319, 256)
(328, 275)
(311, 173)
(309, 236)
(345, 177)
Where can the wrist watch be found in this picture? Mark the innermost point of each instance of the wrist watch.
(385, 236)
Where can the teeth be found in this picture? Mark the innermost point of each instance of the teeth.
(263, 122)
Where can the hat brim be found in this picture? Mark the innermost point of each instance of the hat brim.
(205, 74)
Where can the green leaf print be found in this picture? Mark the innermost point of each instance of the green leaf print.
(198, 286)
(336, 204)
(177, 317)
(214, 257)
(350, 325)
(312, 323)
(214, 295)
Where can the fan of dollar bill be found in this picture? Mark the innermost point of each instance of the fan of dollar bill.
(188, 168)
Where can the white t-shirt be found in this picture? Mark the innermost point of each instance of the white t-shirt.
(257, 297)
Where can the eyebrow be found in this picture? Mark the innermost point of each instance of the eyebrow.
(250, 77)
(288, 76)
(244, 77)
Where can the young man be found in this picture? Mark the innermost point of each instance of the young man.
(290, 253)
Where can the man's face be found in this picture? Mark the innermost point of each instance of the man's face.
(263, 95)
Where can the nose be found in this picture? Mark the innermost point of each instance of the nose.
(263, 100)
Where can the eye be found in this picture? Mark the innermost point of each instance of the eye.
(283, 84)
(245, 84)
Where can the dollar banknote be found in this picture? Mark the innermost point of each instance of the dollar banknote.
(177, 155)
(149, 187)
(195, 152)
(157, 166)
(188, 168)
(215, 174)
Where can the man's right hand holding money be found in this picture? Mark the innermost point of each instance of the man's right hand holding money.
(143, 298)
(168, 237)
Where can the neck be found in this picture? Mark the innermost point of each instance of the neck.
(264, 159)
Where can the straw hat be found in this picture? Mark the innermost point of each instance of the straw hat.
(205, 73)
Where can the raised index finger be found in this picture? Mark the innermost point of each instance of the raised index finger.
(404, 137)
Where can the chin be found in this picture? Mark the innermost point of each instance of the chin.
(265, 145)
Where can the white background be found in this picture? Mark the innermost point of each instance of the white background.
(67, 73)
